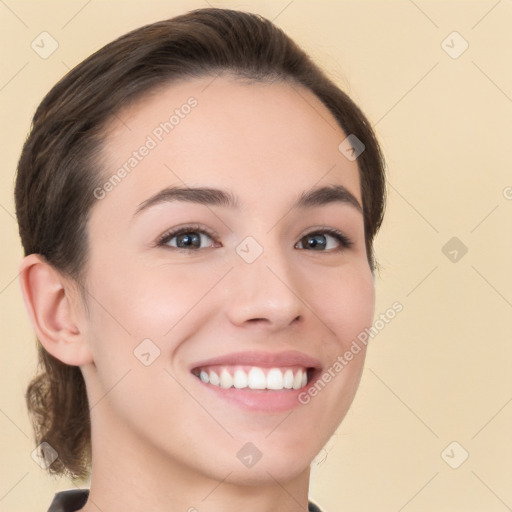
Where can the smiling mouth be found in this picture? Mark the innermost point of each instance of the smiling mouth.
(255, 377)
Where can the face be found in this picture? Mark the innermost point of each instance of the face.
(196, 294)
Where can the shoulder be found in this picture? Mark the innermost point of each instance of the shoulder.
(313, 508)
(75, 499)
(69, 501)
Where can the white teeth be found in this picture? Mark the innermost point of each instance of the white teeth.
(226, 381)
(240, 379)
(275, 378)
(297, 381)
(288, 379)
(257, 379)
(214, 379)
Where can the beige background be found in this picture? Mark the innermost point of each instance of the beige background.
(440, 371)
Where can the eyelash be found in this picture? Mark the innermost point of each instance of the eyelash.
(344, 240)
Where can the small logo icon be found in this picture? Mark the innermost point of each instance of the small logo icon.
(351, 147)
(44, 455)
(44, 45)
(454, 455)
(146, 352)
(454, 249)
(454, 45)
(249, 249)
(249, 455)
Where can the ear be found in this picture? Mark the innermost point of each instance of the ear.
(57, 318)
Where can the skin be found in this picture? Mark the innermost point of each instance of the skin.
(159, 441)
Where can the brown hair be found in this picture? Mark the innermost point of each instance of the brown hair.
(60, 167)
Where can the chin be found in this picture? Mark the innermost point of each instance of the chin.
(276, 463)
(269, 472)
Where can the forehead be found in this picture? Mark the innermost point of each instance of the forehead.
(274, 138)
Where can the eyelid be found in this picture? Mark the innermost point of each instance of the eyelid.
(172, 232)
(344, 241)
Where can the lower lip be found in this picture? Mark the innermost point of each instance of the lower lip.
(261, 400)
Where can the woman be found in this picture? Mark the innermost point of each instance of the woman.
(197, 203)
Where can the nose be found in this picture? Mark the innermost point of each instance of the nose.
(265, 292)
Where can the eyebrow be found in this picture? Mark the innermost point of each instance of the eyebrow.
(216, 197)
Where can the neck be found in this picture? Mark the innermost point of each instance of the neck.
(129, 474)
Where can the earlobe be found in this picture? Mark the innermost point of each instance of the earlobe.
(54, 315)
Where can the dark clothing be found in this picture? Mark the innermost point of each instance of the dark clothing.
(69, 501)
(75, 499)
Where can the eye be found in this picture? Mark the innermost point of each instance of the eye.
(187, 238)
(321, 240)
(194, 237)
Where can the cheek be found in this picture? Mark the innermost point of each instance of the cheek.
(344, 301)
(145, 302)
(152, 311)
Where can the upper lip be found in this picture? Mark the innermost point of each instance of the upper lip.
(261, 359)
